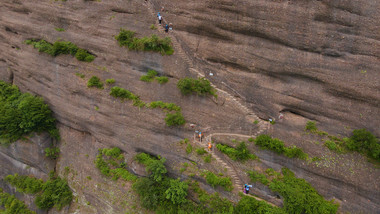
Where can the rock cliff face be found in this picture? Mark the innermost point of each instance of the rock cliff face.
(310, 60)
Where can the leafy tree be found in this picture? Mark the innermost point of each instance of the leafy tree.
(12, 205)
(56, 192)
(157, 169)
(23, 113)
(177, 191)
(364, 141)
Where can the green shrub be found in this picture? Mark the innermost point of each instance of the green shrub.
(300, 196)
(256, 176)
(157, 169)
(162, 80)
(177, 191)
(333, 146)
(61, 47)
(152, 194)
(201, 86)
(364, 141)
(83, 55)
(241, 153)
(250, 205)
(167, 106)
(110, 163)
(295, 152)
(207, 158)
(154, 43)
(25, 184)
(310, 126)
(94, 81)
(12, 205)
(55, 192)
(215, 180)
(59, 29)
(52, 152)
(125, 94)
(122, 173)
(23, 113)
(80, 75)
(175, 119)
(201, 151)
(276, 145)
(149, 76)
(110, 81)
(189, 148)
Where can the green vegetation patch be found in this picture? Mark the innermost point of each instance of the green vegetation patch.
(241, 153)
(125, 94)
(61, 47)
(163, 105)
(364, 141)
(55, 192)
(256, 176)
(276, 145)
(201, 86)
(52, 152)
(250, 205)
(152, 75)
(154, 43)
(361, 141)
(22, 114)
(59, 29)
(300, 196)
(110, 162)
(149, 76)
(175, 119)
(95, 82)
(110, 81)
(215, 180)
(12, 204)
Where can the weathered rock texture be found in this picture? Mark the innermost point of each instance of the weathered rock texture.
(310, 60)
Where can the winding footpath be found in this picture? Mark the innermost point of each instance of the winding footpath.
(251, 116)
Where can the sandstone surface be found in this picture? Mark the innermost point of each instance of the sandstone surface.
(309, 60)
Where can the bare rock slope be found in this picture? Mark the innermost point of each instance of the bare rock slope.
(309, 60)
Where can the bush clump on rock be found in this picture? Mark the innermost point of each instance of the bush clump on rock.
(201, 86)
(23, 113)
(61, 47)
(94, 81)
(154, 43)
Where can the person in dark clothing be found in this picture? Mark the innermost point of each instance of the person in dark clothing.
(166, 28)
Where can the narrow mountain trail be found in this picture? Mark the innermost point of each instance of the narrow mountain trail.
(237, 182)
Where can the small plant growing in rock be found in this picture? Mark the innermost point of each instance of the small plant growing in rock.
(162, 80)
(153, 27)
(110, 81)
(94, 81)
(52, 152)
(80, 75)
(59, 29)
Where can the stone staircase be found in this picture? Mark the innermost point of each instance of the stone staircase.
(251, 116)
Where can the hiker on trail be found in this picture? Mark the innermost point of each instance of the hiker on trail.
(209, 146)
(159, 19)
(167, 28)
(246, 188)
(200, 137)
(170, 26)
